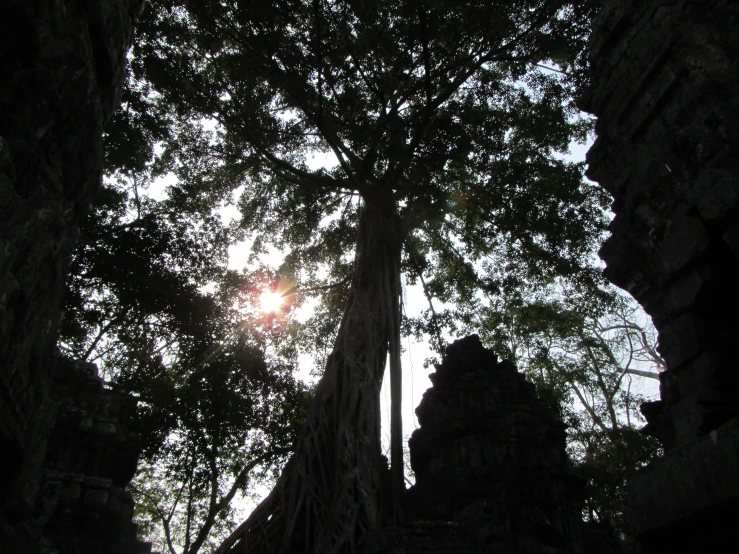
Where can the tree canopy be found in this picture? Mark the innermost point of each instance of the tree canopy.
(593, 366)
(151, 301)
(366, 141)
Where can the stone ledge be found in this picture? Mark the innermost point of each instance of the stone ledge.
(687, 483)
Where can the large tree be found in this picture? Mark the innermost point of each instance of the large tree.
(444, 120)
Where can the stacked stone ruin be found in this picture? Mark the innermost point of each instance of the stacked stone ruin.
(91, 455)
(490, 468)
(665, 89)
(62, 64)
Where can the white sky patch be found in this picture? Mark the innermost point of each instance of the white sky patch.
(238, 254)
(321, 160)
(157, 190)
(229, 213)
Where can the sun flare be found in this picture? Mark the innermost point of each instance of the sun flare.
(271, 301)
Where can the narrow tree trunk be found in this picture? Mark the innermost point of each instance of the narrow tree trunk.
(396, 400)
(329, 493)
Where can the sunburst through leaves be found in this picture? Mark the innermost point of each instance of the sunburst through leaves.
(270, 302)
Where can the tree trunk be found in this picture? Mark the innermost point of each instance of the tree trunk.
(329, 493)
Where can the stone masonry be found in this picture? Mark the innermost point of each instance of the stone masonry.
(62, 63)
(489, 464)
(665, 89)
(91, 456)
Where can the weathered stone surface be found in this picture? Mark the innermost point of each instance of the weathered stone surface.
(61, 68)
(689, 501)
(489, 464)
(665, 88)
(91, 456)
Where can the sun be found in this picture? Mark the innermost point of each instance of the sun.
(271, 301)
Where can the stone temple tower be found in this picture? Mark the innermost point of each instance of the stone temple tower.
(490, 467)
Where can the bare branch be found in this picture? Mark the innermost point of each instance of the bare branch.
(601, 383)
(136, 196)
(165, 520)
(103, 329)
(434, 317)
(590, 409)
(642, 373)
(551, 69)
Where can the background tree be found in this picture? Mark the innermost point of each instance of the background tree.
(593, 364)
(214, 432)
(150, 299)
(444, 130)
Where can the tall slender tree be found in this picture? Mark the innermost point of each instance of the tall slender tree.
(443, 119)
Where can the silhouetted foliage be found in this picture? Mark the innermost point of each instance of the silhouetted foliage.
(591, 363)
(444, 123)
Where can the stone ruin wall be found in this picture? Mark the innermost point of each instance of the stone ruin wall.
(490, 467)
(487, 451)
(61, 67)
(91, 455)
(666, 93)
(665, 89)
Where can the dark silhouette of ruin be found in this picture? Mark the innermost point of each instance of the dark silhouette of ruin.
(489, 461)
(665, 89)
(65, 453)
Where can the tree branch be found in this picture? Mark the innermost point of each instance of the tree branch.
(434, 318)
(591, 410)
(218, 114)
(158, 511)
(103, 329)
(642, 373)
(601, 383)
(318, 288)
(216, 507)
(551, 69)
